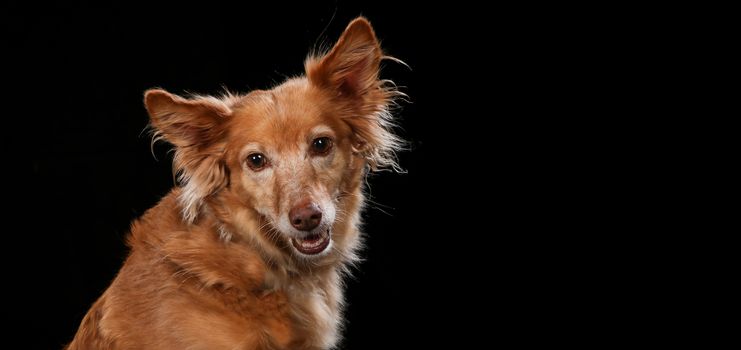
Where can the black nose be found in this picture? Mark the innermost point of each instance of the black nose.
(305, 216)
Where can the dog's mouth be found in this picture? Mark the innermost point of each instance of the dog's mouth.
(312, 244)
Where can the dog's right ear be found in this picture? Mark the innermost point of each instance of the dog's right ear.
(197, 128)
(196, 122)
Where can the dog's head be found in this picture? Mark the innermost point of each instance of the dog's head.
(283, 167)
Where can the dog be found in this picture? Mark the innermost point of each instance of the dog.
(250, 250)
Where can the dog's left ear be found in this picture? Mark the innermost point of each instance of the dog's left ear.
(351, 67)
(349, 72)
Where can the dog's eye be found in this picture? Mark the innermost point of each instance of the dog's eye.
(256, 161)
(321, 145)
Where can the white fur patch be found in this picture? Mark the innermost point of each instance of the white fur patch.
(190, 200)
(225, 235)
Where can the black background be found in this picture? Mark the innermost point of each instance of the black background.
(449, 237)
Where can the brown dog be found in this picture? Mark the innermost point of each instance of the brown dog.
(250, 251)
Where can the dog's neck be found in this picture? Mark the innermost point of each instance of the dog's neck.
(201, 253)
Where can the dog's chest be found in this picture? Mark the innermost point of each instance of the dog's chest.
(302, 315)
(315, 309)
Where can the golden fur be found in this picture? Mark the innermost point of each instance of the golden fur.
(212, 265)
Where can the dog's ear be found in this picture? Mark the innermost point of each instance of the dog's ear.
(184, 122)
(196, 127)
(351, 67)
(350, 73)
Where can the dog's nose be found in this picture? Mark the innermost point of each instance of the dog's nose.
(305, 216)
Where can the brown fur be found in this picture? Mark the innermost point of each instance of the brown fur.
(210, 266)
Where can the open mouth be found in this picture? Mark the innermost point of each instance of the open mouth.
(313, 244)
